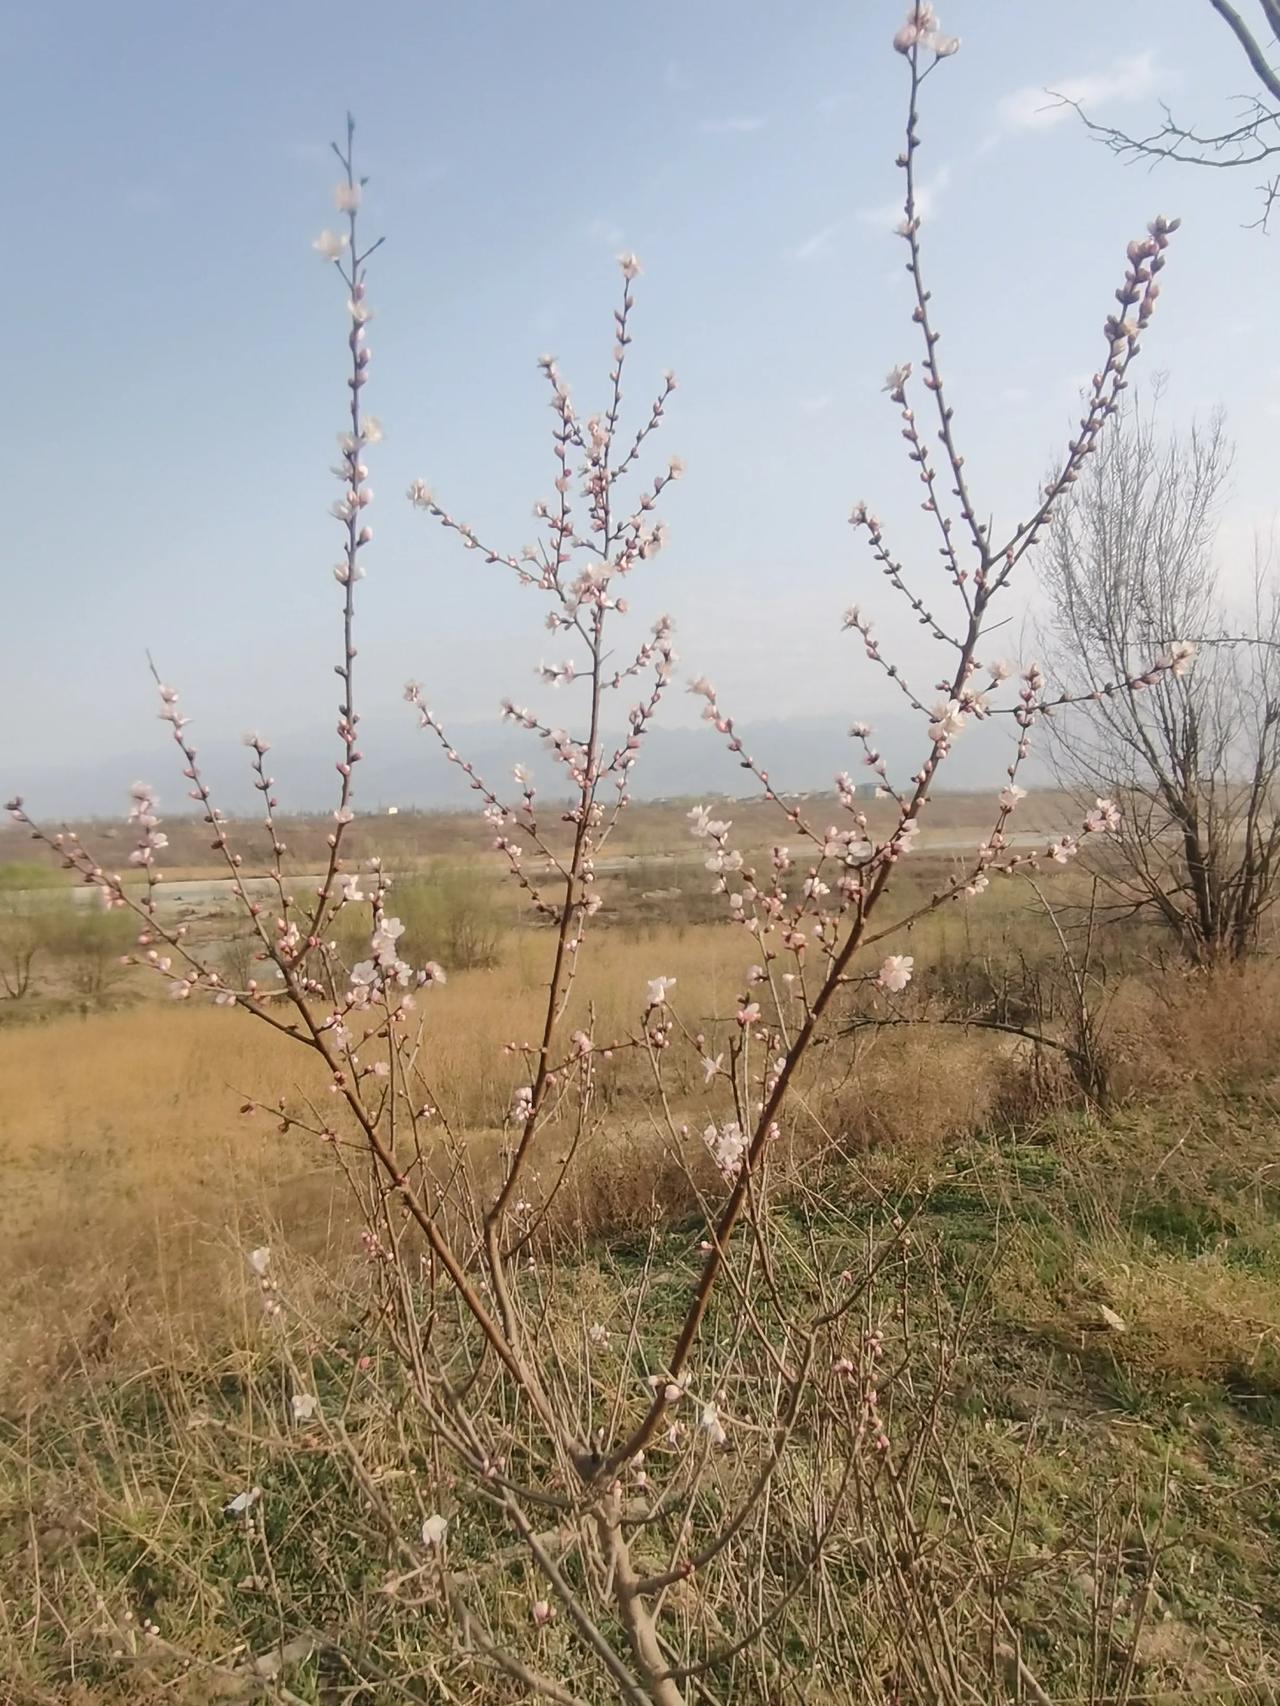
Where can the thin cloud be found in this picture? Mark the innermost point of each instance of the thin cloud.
(928, 197)
(731, 126)
(1036, 107)
(816, 245)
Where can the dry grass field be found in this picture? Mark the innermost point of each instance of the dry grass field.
(1111, 1377)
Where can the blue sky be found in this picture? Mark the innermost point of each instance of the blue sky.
(175, 346)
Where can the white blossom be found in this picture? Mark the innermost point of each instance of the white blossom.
(329, 245)
(242, 1503)
(1178, 659)
(728, 1146)
(434, 1529)
(709, 1421)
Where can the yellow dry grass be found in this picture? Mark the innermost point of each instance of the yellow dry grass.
(130, 1175)
(130, 1179)
(133, 1186)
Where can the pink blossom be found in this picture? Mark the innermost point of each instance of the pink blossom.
(658, 987)
(671, 1392)
(1104, 818)
(346, 197)
(948, 720)
(749, 1013)
(1010, 796)
(728, 1147)
(895, 973)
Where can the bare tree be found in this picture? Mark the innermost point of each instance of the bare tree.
(1252, 140)
(1194, 753)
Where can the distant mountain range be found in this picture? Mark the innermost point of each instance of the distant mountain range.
(406, 767)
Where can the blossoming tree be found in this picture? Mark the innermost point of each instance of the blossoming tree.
(656, 1456)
